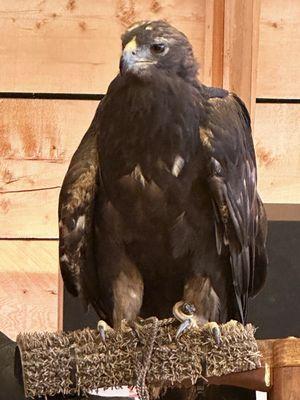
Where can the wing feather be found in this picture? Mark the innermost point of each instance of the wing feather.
(76, 210)
(236, 204)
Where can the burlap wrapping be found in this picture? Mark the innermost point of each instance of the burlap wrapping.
(77, 362)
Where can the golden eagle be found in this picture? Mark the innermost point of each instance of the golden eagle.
(160, 203)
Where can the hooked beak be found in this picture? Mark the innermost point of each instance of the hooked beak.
(134, 59)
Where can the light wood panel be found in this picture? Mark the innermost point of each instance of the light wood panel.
(279, 49)
(286, 362)
(37, 140)
(74, 45)
(241, 26)
(277, 143)
(283, 212)
(212, 74)
(28, 286)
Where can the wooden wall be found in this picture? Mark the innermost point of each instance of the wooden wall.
(72, 47)
(277, 123)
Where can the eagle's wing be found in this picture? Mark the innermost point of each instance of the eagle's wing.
(77, 197)
(239, 215)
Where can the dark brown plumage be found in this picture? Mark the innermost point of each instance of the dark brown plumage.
(160, 201)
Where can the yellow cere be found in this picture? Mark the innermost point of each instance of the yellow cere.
(131, 45)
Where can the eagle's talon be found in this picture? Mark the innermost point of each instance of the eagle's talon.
(135, 327)
(183, 328)
(102, 334)
(184, 312)
(217, 335)
(102, 328)
(214, 330)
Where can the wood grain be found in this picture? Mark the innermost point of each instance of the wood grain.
(266, 349)
(241, 48)
(28, 286)
(213, 43)
(254, 380)
(286, 352)
(37, 140)
(277, 144)
(73, 46)
(286, 384)
(279, 49)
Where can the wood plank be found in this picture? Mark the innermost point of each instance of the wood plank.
(256, 10)
(213, 43)
(287, 352)
(277, 143)
(286, 384)
(37, 140)
(283, 212)
(28, 286)
(240, 48)
(254, 380)
(73, 46)
(279, 48)
(218, 43)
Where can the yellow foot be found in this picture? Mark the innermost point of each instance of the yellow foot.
(103, 328)
(184, 312)
(214, 330)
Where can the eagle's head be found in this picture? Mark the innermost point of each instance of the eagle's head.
(151, 45)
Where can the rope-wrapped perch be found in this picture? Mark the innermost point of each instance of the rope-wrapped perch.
(79, 361)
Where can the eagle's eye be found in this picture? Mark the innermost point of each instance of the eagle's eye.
(157, 48)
